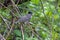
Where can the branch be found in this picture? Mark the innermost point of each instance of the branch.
(22, 31)
(2, 38)
(5, 21)
(50, 27)
(11, 28)
(35, 33)
(15, 6)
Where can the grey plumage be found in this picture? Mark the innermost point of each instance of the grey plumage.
(25, 18)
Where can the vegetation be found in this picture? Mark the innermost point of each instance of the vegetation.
(43, 25)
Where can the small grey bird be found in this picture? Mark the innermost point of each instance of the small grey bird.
(25, 18)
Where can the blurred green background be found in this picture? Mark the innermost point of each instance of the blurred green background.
(45, 20)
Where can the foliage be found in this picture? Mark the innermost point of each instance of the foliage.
(45, 21)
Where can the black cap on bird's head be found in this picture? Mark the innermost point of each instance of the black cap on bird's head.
(29, 12)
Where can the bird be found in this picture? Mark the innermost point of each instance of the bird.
(22, 20)
(25, 18)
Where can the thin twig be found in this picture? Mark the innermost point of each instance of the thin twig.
(15, 6)
(5, 20)
(2, 38)
(49, 25)
(34, 32)
(11, 28)
(22, 31)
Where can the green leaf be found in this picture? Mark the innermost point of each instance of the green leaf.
(35, 1)
(17, 32)
(56, 17)
(17, 38)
